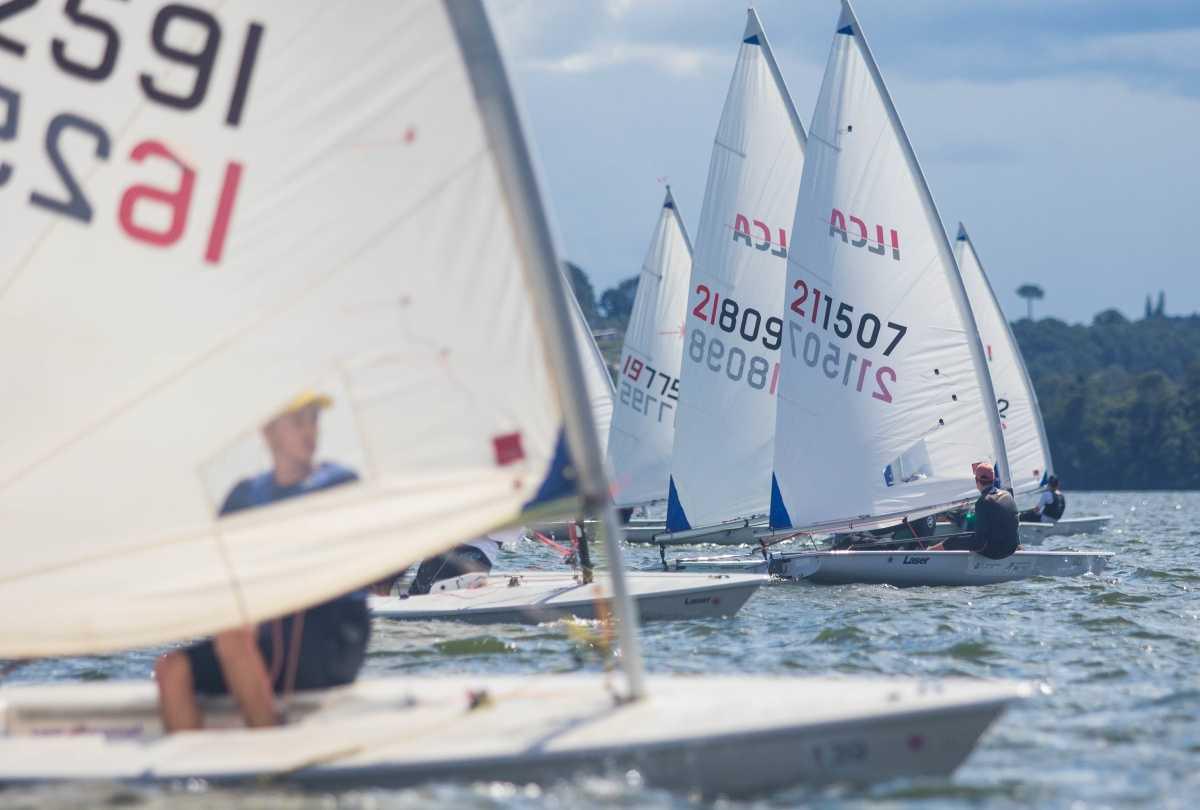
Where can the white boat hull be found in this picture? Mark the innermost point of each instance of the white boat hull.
(913, 568)
(1035, 533)
(684, 735)
(530, 597)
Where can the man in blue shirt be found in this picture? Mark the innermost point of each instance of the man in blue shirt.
(318, 648)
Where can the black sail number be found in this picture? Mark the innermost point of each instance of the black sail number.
(12, 8)
(112, 43)
(201, 60)
(8, 129)
(76, 205)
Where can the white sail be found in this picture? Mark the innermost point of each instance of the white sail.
(884, 400)
(347, 227)
(1016, 402)
(596, 376)
(643, 429)
(724, 428)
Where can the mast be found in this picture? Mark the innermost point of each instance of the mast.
(499, 110)
(943, 245)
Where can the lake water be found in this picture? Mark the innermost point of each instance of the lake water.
(1117, 723)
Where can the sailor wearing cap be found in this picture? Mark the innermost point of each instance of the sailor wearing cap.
(291, 437)
(995, 520)
(321, 647)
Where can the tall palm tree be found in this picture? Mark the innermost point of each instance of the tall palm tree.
(1030, 292)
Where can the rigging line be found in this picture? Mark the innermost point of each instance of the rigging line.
(220, 346)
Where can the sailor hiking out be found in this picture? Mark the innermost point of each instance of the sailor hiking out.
(995, 533)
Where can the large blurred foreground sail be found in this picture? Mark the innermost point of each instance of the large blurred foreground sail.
(643, 429)
(343, 243)
(332, 220)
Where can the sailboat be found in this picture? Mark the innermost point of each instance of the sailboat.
(533, 596)
(885, 403)
(720, 464)
(1016, 401)
(643, 429)
(392, 266)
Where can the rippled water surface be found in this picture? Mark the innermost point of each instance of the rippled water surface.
(1117, 725)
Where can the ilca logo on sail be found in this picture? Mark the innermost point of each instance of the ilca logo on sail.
(837, 226)
(741, 231)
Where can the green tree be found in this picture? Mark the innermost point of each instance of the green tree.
(585, 294)
(617, 302)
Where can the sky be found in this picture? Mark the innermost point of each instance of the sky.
(1065, 134)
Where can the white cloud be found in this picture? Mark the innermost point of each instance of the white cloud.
(675, 60)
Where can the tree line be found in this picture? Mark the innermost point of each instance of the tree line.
(1120, 397)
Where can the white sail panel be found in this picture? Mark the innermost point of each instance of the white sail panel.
(643, 428)
(596, 376)
(882, 400)
(1016, 401)
(725, 424)
(321, 220)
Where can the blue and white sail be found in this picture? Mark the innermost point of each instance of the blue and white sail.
(1025, 441)
(643, 424)
(884, 398)
(725, 425)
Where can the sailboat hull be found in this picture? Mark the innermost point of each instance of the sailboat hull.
(913, 568)
(532, 596)
(527, 729)
(1035, 533)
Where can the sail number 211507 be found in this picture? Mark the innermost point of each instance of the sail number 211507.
(811, 339)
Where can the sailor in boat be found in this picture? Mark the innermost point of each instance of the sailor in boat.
(473, 556)
(321, 647)
(995, 533)
(1051, 506)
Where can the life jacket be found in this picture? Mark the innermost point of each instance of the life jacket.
(996, 522)
(1055, 510)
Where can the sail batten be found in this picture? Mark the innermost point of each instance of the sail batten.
(881, 407)
(720, 467)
